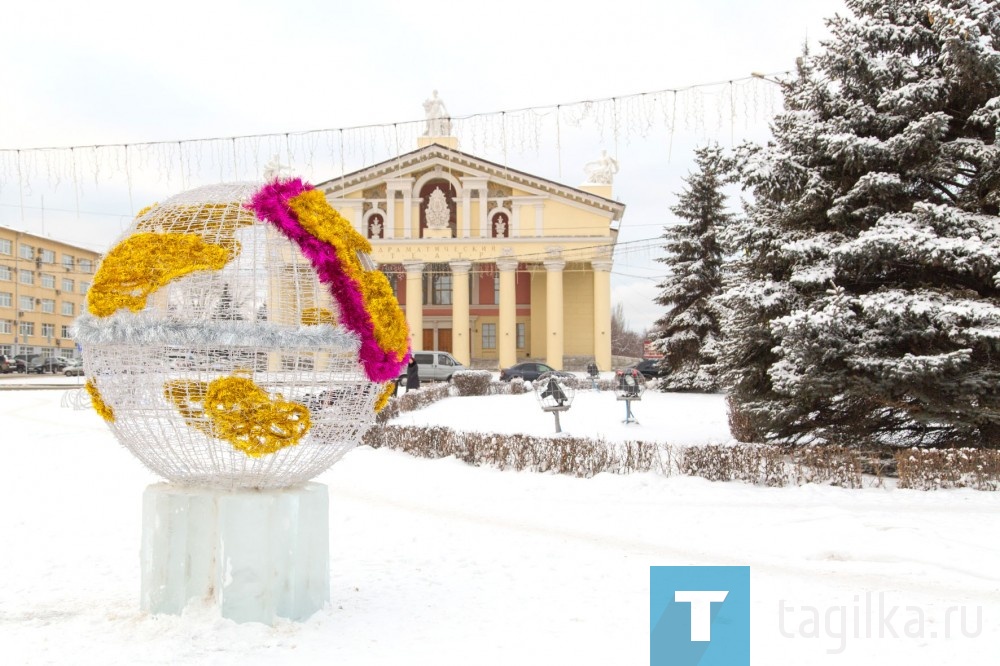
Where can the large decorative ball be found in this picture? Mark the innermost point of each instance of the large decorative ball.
(238, 336)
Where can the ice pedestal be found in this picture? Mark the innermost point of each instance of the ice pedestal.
(258, 554)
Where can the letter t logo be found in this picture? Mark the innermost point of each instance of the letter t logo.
(701, 610)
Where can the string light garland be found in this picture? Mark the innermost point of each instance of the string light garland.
(190, 162)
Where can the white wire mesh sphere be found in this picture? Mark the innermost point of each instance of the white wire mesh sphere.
(630, 384)
(554, 392)
(214, 351)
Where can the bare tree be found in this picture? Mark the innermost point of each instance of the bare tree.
(624, 342)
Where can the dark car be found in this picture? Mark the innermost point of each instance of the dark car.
(650, 368)
(7, 364)
(529, 371)
(21, 362)
(41, 364)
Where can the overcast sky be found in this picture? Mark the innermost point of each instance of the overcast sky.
(95, 73)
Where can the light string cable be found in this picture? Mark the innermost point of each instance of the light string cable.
(615, 100)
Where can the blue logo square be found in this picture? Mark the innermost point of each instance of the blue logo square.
(699, 616)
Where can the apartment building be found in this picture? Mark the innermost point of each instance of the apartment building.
(43, 287)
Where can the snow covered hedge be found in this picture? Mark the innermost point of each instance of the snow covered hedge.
(931, 469)
(758, 464)
(576, 456)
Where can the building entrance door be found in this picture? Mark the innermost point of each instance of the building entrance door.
(444, 339)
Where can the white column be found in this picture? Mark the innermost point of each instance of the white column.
(506, 330)
(483, 216)
(539, 224)
(461, 349)
(515, 219)
(415, 302)
(554, 312)
(602, 313)
(465, 224)
(390, 214)
(408, 214)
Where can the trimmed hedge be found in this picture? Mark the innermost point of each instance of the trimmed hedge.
(759, 464)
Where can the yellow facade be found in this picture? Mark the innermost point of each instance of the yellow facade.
(43, 287)
(438, 216)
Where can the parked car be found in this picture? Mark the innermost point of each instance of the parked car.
(21, 362)
(7, 364)
(650, 368)
(434, 366)
(74, 369)
(529, 371)
(41, 364)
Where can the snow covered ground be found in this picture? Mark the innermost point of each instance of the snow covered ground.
(436, 562)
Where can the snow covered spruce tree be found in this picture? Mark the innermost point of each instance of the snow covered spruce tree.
(866, 309)
(688, 333)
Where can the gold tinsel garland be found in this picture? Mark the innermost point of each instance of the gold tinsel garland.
(383, 399)
(97, 401)
(322, 221)
(145, 262)
(237, 410)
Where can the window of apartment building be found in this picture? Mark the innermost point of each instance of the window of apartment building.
(26, 328)
(25, 276)
(6, 247)
(6, 326)
(84, 286)
(26, 303)
(6, 273)
(48, 257)
(25, 251)
(48, 330)
(496, 288)
(48, 306)
(489, 336)
(48, 281)
(64, 331)
(68, 308)
(86, 266)
(521, 336)
(67, 285)
(6, 299)
(69, 261)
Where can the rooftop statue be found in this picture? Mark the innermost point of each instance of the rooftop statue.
(438, 122)
(602, 170)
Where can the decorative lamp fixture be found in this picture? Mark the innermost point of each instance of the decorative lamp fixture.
(630, 384)
(554, 393)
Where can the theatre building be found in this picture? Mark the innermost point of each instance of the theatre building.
(490, 263)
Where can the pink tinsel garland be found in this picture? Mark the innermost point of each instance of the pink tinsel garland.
(270, 203)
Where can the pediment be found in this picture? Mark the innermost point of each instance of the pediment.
(464, 167)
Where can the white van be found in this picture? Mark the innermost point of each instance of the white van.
(434, 366)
